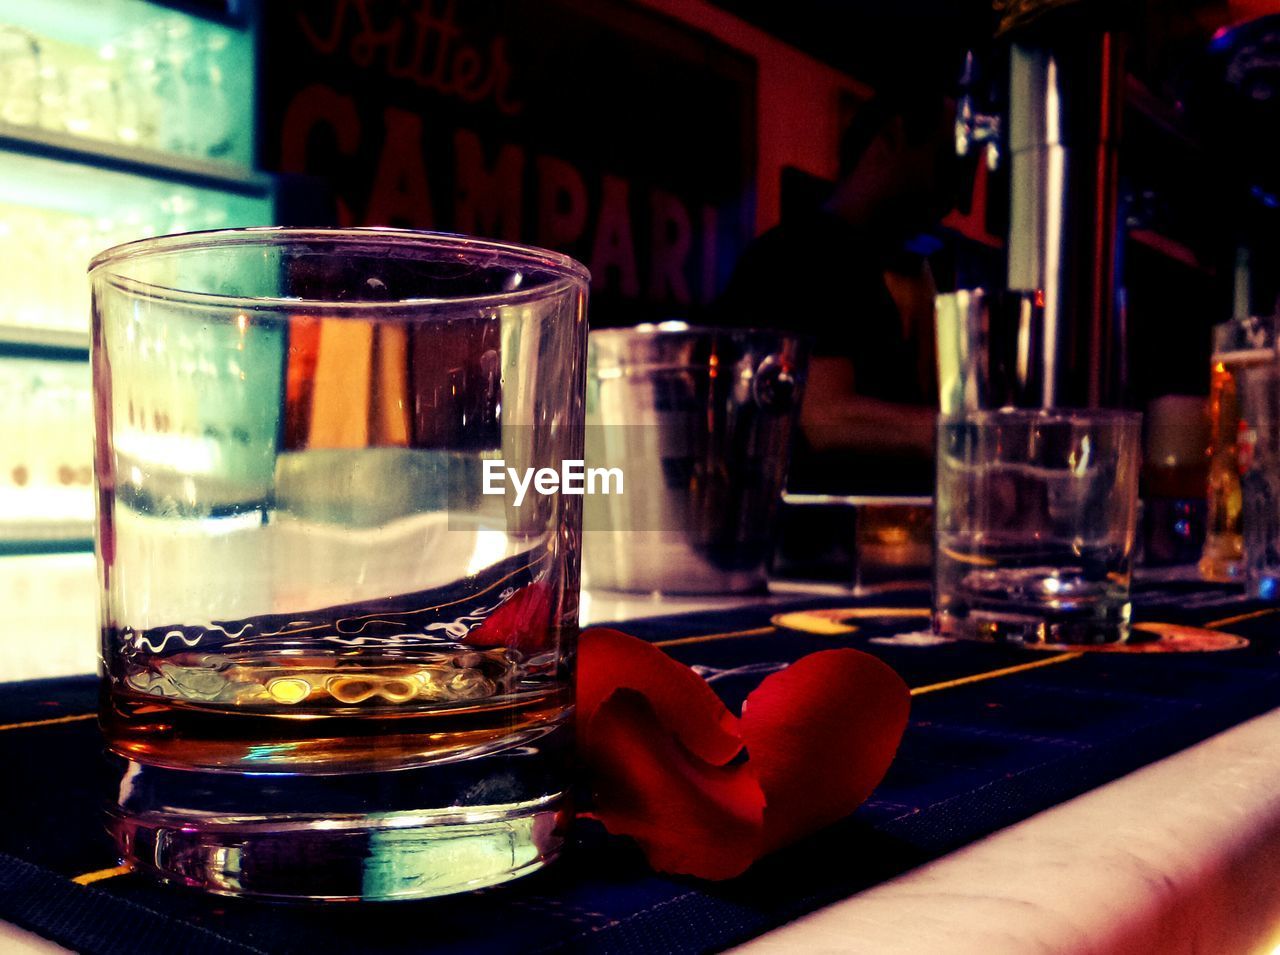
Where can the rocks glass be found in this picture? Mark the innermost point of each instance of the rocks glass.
(1035, 525)
(332, 666)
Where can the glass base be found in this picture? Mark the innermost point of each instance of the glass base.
(387, 856)
(387, 833)
(1105, 625)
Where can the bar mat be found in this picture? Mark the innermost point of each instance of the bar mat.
(996, 735)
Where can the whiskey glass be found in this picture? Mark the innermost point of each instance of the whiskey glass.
(332, 666)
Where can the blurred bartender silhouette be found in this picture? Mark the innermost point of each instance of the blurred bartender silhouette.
(844, 275)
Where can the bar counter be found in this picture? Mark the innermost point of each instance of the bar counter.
(1177, 856)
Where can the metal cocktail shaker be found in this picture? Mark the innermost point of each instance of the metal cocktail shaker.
(700, 421)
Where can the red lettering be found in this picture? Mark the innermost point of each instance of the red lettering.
(327, 44)
(445, 31)
(316, 106)
(466, 68)
(613, 248)
(501, 77)
(562, 203)
(366, 44)
(346, 218)
(400, 192)
(430, 51)
(672, 240)
(488, 200)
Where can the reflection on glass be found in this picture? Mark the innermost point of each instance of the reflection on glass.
(46, 445)
(19, 77)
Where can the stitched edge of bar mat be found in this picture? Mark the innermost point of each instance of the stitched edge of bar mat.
(997, 735)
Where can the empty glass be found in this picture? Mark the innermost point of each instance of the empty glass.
(1035, 524)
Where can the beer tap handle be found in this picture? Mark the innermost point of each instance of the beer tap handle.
(973, 127)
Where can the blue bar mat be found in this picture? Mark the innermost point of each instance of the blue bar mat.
(979, 754)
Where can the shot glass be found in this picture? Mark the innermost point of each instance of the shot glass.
(333, 666)
(1036, 513)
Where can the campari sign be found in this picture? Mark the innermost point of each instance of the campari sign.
(596, 128)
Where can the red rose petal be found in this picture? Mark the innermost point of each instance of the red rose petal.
(683, 702)
(522, 622)
(656, 742)
(689, 817)
(820, 736)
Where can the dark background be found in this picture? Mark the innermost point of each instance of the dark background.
(649, 149)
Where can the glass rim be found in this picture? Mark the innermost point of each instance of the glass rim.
(1079, 416)
(568, 270)
(677, 327)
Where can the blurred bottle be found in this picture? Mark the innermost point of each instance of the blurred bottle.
(214, 134)
(46, 447)
(19, 77)
(1238, 345)
(1174, 477)
(171, 39)
(167, 84)
(1259, 390)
